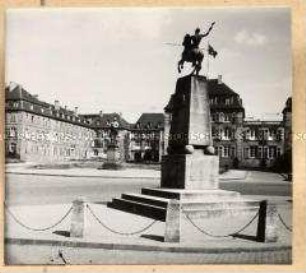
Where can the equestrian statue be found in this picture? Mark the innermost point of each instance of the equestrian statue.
(192, 52)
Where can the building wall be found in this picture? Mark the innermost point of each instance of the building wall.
(146, 145)
(43, 139)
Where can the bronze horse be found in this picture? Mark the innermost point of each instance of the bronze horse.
(192, 53)
(194, 56)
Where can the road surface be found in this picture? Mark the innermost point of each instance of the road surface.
(39, 189)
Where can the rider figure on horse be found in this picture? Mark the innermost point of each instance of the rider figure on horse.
(192, 52)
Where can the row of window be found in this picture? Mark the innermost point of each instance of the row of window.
(261, 134)
(226, 151)
(51, 112)
(264, 133)
(250, 152)
(42, 136)
(224, 117)
(262, 152)
(221, 100)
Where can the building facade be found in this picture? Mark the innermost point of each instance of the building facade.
(41, 132)
(147, 138)
(239, 142)
(101, 124)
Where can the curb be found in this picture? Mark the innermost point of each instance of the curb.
(84, 176)
(106, 176)
(136, 247)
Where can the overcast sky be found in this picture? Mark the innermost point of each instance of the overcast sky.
(118, 60)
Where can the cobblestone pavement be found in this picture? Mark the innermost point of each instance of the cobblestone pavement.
(62, 255)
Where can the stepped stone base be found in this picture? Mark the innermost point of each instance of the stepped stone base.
(153, 203)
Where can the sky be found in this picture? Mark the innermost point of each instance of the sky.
(125, 59)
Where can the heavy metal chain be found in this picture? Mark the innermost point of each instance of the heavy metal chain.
(37, 229)
(283, 222)
(222, 236)
(118, 232)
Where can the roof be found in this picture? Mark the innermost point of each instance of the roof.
(150, 121)
(102, 121)
(220, 90)
(216, 88)
(15, 93)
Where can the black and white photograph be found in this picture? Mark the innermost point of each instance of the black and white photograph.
(148, 136)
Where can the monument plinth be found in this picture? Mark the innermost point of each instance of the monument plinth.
(113, 161)
(190, 171)
(190, 163)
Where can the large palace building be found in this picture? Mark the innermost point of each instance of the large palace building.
(40, 132)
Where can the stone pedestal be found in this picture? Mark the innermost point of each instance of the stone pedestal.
(113, 158)
(190, 171)
(190, 124)
(77, 219)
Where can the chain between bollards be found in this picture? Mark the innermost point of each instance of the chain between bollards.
(118, 232)
(222, 236)
(37, 229)
(283, 222)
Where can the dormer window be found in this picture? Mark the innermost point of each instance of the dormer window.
(31, 107)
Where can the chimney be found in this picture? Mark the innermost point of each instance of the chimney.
(65, 107)
(219, 79)
(76, 110)
(100, 113)
(35, 96)
(56, 105)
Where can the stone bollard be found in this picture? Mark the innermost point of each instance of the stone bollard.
(173, 221)
(77, 219)
(267, 222)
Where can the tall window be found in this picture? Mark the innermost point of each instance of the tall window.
(266, 134)
(226, 134)
(253, 151)
(226, 152)
(13, 118)
(266, 152)
(220, 150)
(221, 117)
(272, 151)
(252, 134)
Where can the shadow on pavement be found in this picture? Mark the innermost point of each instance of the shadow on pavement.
(153, 237)
(64, 233)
